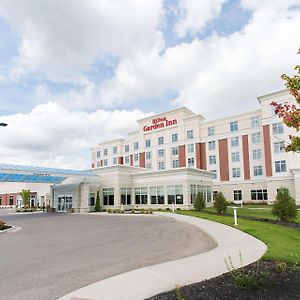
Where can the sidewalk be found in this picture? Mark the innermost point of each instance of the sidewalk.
(149, 281)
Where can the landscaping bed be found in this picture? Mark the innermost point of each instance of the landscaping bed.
(273, 280)
(3, 226)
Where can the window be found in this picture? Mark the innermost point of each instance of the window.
(175, 194)
(212, 160)
(205, 191)
(98, 154)
(237, 195)
(279, 147)
(255, 122)
(161, 165)
(211, 145)
(161, 140)
(126, 148)
(148, 155)
(157, 194)
(280, 166)
(11, 200)
(235, 156)
(278, 128)
(161, 153)
(191, 162)
(136, 157)
(136, 146)
(148, 166)
(211, 131)
(175, 163)
(141, 195)
(148, 143)
(234, 126)
(125, 195)
(98, 164)
(108, 196)
(105, 152)
(127, 159)
(236, 172)
(105, 163)
(174, 150)
(215, 173)
(255, 138)
(257, 170)
(259, 195)
(190, 134)
(92, 199)
(115, 150)
(190, 148)
(235, 141)
(174, 137)
(256, 154)
(115, 160)
(0, 200)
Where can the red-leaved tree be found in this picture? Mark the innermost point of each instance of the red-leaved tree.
(288, 112)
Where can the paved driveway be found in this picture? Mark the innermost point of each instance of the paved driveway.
(56, 253)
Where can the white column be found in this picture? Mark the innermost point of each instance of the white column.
(117, 196)
(84, 197)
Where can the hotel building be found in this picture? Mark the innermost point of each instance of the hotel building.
(175, 154)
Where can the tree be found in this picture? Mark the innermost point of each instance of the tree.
(97, 205)
(291, 113)
(284, 208)
(220, 203)
(25, 194)
(199, 202)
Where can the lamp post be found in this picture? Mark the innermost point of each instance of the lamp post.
(3, 124)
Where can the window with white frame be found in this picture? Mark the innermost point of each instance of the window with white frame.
(191, 162)
(136, 146)
(280, 166)
(212, 145)
(141, 195)
(126, 148)
(278, 128)
(237, 195)
(161, 153)
(148, 143)
(235, 141)
(175, 163)
(190, 134)
(98, 164)
(148, 155)
(157, 194)
(136, 157)
(127, 159)
(98, 154)
(115, 150)
(161, 165)
(125, 195)
(211, 131)
(256, 154)
(257, 170)
(212, 160)
(174, 137)
(175, 194)
(235, 156)
(115, 160)
(108, 196)
(236, 172)
(190, 148)
(259, 195)
(215, 173)
(174, 150)
(148, 166)
(105, 162)
(92, 199)
(234, 126)
(255, 138)
(105, 152)
(255, 122)
(161, 140)
(279, 147)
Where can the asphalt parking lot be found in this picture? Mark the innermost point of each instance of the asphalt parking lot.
(55, 254)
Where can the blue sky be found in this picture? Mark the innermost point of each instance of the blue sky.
(60, 61)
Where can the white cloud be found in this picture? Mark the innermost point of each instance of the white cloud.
(63, 38)
(52, 136)
(194, 15)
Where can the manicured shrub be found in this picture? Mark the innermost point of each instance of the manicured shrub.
(284, 207)
(109, 210)
(97, 205)
(220, 203)
(199, 202)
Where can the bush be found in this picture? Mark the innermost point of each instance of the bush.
(2, 224)
(284, 207)
(97, 205)
(109, 210)
(220, 203)
(199, 202)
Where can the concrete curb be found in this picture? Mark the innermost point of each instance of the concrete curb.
(149, 281)
(11, 230)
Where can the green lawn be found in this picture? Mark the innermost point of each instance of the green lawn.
(257, 211)
(283, 242)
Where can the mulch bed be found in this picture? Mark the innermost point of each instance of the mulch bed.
(279, 283)
(5, 227)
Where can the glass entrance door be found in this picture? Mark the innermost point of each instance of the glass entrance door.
(64, 203)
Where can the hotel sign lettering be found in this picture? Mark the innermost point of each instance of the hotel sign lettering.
(159, 123)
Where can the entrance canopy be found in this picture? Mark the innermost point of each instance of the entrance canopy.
(31, 174)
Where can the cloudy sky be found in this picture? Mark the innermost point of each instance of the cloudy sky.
(74, 73)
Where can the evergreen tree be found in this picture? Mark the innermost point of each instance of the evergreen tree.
(220, 203)
(97, 205)
(199, 202)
